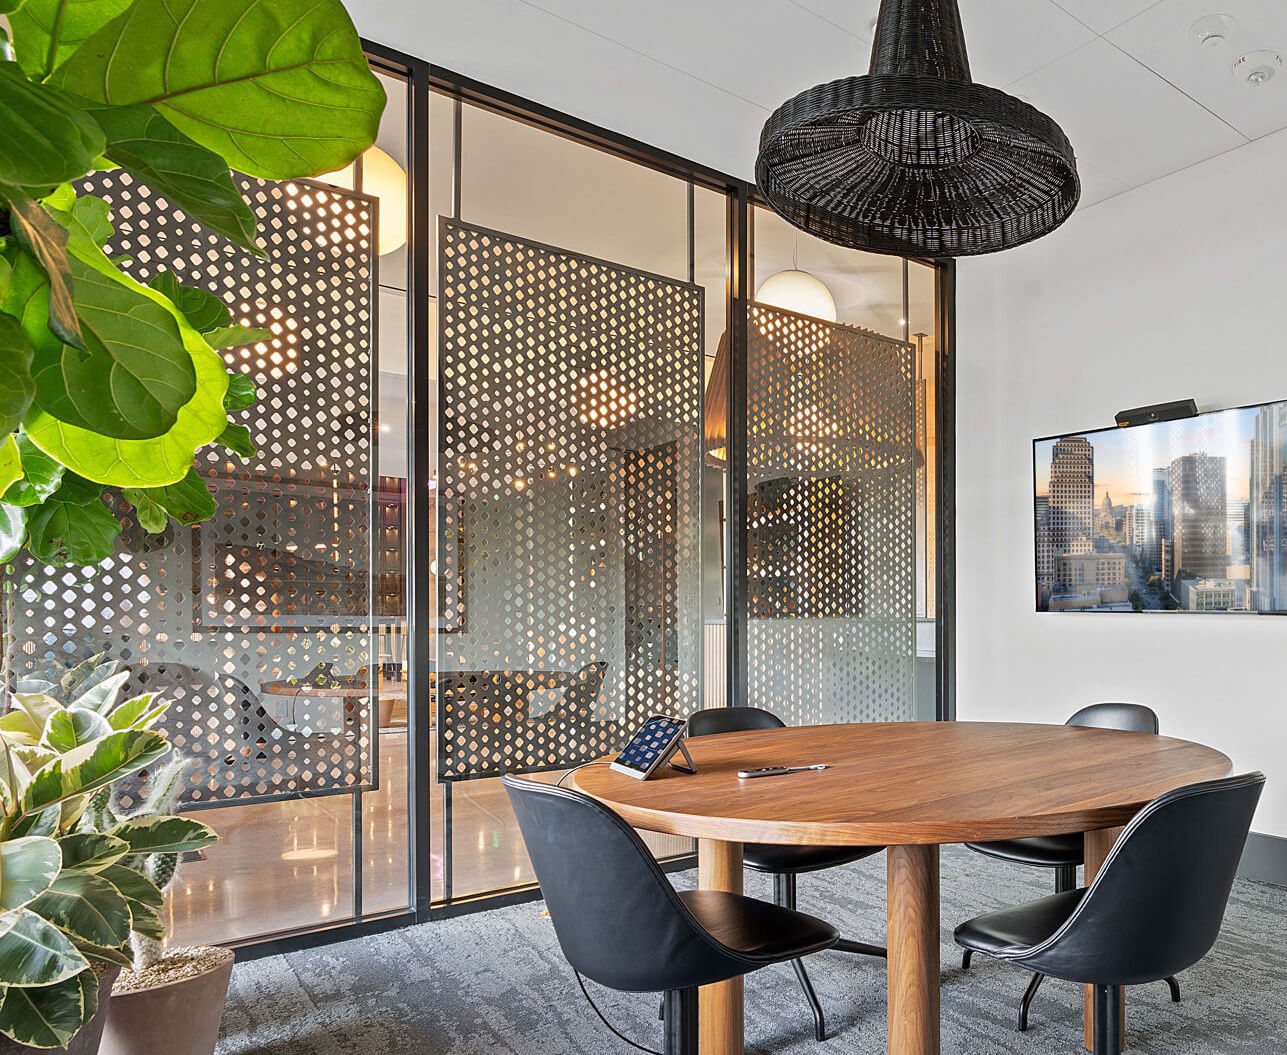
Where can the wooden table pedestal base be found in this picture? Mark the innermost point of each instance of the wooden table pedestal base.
(1097, 845)
(913, 911)
(721, 1006)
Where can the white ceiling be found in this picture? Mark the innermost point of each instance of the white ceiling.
(1137, 96)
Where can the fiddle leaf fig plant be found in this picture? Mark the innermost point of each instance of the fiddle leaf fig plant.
(109, 387)
(80, 878)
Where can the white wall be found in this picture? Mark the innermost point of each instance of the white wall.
(1175, 289)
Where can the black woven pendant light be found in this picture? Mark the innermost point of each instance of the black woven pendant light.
(915, 157)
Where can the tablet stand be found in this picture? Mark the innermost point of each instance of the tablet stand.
(691, 766)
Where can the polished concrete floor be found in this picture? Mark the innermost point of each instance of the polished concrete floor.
(285, 865)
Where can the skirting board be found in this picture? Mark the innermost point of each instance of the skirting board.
(1265, 859)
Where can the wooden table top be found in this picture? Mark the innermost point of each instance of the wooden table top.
(907, 783)
(344, 688)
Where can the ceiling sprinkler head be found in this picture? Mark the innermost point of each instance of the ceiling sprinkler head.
(1258, 68)
(1213, 31)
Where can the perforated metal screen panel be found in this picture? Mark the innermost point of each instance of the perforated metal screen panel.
(256, 626)
(831, 433)
(571, 391)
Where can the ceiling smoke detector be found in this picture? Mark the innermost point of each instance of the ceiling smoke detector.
(1258, 68)
(1213, 31)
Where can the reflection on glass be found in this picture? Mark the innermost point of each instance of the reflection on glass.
(867, 288)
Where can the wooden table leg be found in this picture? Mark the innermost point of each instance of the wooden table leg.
(1097, 845)
(721, 1006)
(913, 909)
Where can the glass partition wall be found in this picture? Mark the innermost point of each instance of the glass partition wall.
(501, 511)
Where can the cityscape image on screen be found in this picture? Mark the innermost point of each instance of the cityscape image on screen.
(1184, 516)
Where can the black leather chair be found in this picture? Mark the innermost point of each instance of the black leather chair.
(1135, 923)
(1065, 853)
(785, 863)
(621, 923)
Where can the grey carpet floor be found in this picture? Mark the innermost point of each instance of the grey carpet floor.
(495, 983)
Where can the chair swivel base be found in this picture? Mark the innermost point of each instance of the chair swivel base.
(784, 894)
(1035, 983)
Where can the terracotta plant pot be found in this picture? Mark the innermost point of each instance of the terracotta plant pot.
(171, 1018)
(86, 1042)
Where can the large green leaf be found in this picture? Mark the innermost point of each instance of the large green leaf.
(241, 390)
(19, 728)
(151, 517)
(97, 954)
(88, 768)
(77, 680)
(66, 530)
(41, 475)
(99, 693)
(16, 386)
(86, 906)
(277, 89)
(188, 175)
(165, 835)
(13, 529)
(27, 868)
(46, 238)
(92, 851)
(135, 374)
(188, 501)
(235, 337)
(46, 31)
(10, 462)
(135, 713)
(154, 462)
(237, 439)
(43, 142)
(27, 299)
(49, 1016)
(35, 952)
(68, 729)
(143, 897)
(203, 310)
(37, 707)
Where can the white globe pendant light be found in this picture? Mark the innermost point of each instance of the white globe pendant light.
(382, 178)
(798, 291)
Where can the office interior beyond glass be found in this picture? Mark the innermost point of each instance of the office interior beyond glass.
(581, 348)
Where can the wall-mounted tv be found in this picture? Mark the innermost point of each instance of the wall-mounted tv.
(1175, 516)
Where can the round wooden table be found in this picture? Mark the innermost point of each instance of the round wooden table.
(910, 786)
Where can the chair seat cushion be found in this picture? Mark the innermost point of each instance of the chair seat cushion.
(1050, 851)
(756, 929)
(764, 857)
(1019, 927)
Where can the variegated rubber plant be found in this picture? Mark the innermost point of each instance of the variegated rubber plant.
(78, 879)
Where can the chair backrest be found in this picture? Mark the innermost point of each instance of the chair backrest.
(618, 919)
(1128, 717)
(731, 720)
(1156, 905)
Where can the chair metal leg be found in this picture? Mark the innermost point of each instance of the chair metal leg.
(861, 948)
(1065, 880)
(1108, 1020)
(819, 1022)
(784, 890)
(966, 957)
(784, 894)
(680, 1029)
(1174, 986)
(1026, 1002)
